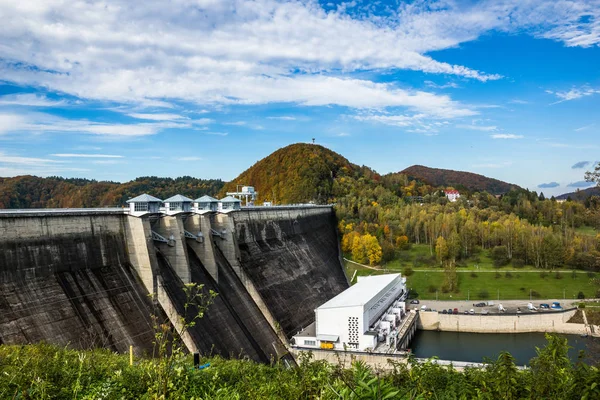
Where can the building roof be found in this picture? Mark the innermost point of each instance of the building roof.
(144, 198)
(360, 293)
(206, 199)
(451, 191)
(230, 199)
(178, 199)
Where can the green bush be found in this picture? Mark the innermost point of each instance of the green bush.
(498, 275)
(558, 275)
(518, 262)
(507, 274)
(408, 271)
(581, 305)
(474, 275)
(580, 295)
(483, 294)
(499, 255)
(543, 274)
(535, 294)
(432, 288)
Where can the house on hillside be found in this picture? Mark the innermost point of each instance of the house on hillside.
(452, 195)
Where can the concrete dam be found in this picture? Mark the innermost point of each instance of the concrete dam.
(94, 277)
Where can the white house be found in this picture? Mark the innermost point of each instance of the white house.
(452, 195)
(177, 204)
(360, 317)
(144, 204)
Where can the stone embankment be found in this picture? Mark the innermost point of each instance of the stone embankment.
(552, 321)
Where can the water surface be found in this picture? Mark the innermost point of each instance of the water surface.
(474, 347)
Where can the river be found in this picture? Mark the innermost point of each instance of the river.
(474, 347)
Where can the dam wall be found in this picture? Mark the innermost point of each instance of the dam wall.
(554, 321)
(95, 277)
(66, 279)
(291, 256)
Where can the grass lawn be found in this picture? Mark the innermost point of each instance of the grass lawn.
(586, 230)
(425, 284)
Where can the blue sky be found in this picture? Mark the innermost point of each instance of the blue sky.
(115, 90)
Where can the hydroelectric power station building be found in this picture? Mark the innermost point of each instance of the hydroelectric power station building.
(368, 316)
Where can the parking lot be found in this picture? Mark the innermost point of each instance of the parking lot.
(511, 306)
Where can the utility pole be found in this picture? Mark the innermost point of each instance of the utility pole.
(468, 294)
(529, 294)
(436, 295)
(498, 294)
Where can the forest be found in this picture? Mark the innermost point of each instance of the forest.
(55, 192)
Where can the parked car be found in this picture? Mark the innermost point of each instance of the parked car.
(455, 311)
(449, 311)
(466, 312)
(444, 311)
(544, 305)
(480, 305)
(471, 311)
(485, 312)
(414, 301)
(556, 306)
(423, 307)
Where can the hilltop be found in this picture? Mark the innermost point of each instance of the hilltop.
(458, 179)
(580, 194)
(297, 173)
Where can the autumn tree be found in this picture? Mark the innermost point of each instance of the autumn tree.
(441, 249)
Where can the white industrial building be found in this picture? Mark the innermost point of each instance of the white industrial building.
(363, 317)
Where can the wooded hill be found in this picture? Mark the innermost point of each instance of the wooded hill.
(298, 173)
(460, 180)
(580, 195)
(34, 192)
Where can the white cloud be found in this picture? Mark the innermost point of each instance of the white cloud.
(343, 134)
(283, 118)
(14, 165)
(573, 94)
(236, 123)
(506, 136)
(482, 128)
(518, 101)
(217, 133)
(449, 85)
(188, 158)
(8, 159)
(583, 128)
(230, 51)
(41, 122)
(263, 51)
(82, 155)
(29, 99)
(158, 117)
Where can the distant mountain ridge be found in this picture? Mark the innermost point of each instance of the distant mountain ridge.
(580, 194)
(297, 173)
(458, 179)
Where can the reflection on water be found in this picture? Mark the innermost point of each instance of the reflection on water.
(474, 347)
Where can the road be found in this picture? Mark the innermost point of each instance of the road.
(510, 305)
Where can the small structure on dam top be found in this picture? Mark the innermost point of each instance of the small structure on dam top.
(144, 204)
(178, 204)
(206, 204)
(369, 316)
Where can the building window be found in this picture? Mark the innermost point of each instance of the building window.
(175, 206)
(310, 343)
(140, 207)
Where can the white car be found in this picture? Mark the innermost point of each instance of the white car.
(423, 307)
